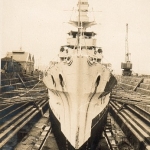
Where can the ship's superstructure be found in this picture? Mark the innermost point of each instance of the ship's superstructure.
(79, 87)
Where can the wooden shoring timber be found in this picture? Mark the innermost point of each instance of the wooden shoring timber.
(19, 124)
(7, 85)
(17, 86)
(9, 79)
(126, 101)
(36, 95)
(12, 103)
(138, 84)
(18, 102)
(127, 97)
(25, 82)
(41, 89)
(37, 90)
(131, 102)
(31, 76)
(18, 99)
(129, 94)
(27, 94)
(133, 98)
(33, 93)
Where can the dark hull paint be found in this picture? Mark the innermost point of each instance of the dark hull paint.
(92, 142)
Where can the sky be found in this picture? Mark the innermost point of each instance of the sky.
(40, 27)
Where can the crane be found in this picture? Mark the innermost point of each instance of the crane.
(127, 65)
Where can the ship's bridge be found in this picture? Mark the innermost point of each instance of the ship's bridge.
(82, 43)
(86, 38)
(75, 33)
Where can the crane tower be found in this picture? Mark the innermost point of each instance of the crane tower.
(127, 65)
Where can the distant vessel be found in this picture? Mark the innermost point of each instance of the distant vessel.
(79, 87)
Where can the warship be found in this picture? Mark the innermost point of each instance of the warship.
(79, 87)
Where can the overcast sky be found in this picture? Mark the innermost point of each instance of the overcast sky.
(38, 26)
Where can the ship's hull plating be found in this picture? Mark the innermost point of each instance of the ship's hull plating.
(79, 96)
(90, 144)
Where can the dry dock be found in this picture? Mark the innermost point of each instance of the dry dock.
(23, 101)
(24, 115)
(130, 108)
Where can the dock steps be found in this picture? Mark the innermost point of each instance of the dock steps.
(20, 105)
(10, 128)
(132, 125)
(38, 135)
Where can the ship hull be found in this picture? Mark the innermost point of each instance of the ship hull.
(79, 97)
(96, 132)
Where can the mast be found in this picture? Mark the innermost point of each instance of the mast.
(79, 24)
(83, 19)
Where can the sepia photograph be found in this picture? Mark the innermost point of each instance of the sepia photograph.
(75, 75)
